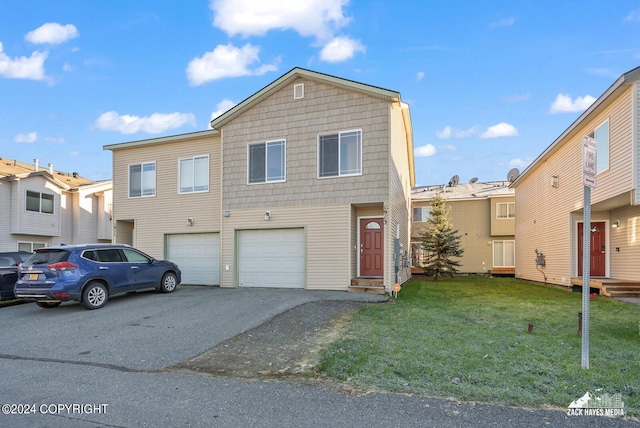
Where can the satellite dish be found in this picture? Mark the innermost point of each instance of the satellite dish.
(454, 180)
(473, 180)
(513, 174)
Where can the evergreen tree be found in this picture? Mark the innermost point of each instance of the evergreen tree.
(440, 242)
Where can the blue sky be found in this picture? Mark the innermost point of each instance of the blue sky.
(490, 83)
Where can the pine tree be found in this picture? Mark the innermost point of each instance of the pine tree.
(440, 242)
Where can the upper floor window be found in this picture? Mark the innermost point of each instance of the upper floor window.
(142, 179)
(506, 210)
(601, 135)
(40, 202)
(267, 162)
(194, 174)
(340, 154)
(422, 213)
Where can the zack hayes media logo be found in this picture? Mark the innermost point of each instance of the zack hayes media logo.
(592, 405)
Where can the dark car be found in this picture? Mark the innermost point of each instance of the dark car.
(9, 262)
(91, 274)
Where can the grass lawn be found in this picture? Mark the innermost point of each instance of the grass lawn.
(467, 338)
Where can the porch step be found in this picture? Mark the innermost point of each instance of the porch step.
(613, 287)
(367, 285)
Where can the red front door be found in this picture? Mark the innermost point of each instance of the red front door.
(371, 247)
(598, 248)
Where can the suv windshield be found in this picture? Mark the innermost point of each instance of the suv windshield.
(45, 257)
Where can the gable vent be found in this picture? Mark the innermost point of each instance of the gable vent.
(298, 91)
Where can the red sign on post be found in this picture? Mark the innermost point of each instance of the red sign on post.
(589, 161)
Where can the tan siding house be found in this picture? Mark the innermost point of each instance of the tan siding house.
(550, 196)
(43, 207)
(483, 214)
(309, 184)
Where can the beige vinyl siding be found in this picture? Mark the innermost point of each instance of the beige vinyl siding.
(327, 236)
(619, 177)
(635, 117)
(399, 201)
(471, 219)
(502, 226)
(35, 223)
(543, 213)
(7, 242)
(626, 238)
(167, 211)
(325, 109)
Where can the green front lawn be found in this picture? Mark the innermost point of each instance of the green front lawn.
(467, 338)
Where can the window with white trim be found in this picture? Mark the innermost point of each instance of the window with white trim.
(40, 202)
(504, 254)
(30, 246)
(505, 210)
(266, 162)
(422, 213)
(193, 174)
(340, 154)
(601, 135)
(142, 180)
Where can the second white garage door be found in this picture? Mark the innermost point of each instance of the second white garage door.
(271, 258)
(198, 257)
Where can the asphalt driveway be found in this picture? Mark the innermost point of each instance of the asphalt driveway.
(147, 331)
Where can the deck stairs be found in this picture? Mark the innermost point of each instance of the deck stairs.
(612, 287)
(367, 285)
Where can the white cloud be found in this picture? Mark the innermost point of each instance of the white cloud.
(226, 61)
(222, 107)
(154, 124)
(519, 163)
(317, 18)
(449, 132)
(502, 129)
(504, 22)
(52, 33)
(29, 138)
(425, 151)
(419, 75)
(634, 15)
(23, 67)
(564, 104)
(449, 147)
(341, 49)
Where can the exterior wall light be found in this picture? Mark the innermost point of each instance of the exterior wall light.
(616, 224)
(267, 216)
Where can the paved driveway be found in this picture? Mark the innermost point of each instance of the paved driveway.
(146, 331)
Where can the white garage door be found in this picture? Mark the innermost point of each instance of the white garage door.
(198, 257)
(271, 258)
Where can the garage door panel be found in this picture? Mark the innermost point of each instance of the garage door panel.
(271, 258)
(197, 255)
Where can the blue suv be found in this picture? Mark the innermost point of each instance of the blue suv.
(91, 274)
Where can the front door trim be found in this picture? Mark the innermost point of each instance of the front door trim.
(359, 243)
(578, 261)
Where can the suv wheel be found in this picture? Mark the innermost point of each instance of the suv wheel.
(48, 304)
(168, 283)
(94, 296)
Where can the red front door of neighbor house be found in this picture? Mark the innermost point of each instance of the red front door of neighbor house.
(371, 247)
(598, 249)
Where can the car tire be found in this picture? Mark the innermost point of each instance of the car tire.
(169, 282)
(48, 305)
(94, 295)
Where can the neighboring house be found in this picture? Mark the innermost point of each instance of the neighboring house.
(305, 184)
(483, 214)
(43, 207)
(550, 196)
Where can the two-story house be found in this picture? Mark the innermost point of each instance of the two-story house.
(43, 207)
(483, 214)
(550, 197)
(305, 184)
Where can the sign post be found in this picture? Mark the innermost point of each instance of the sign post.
(589, 170)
